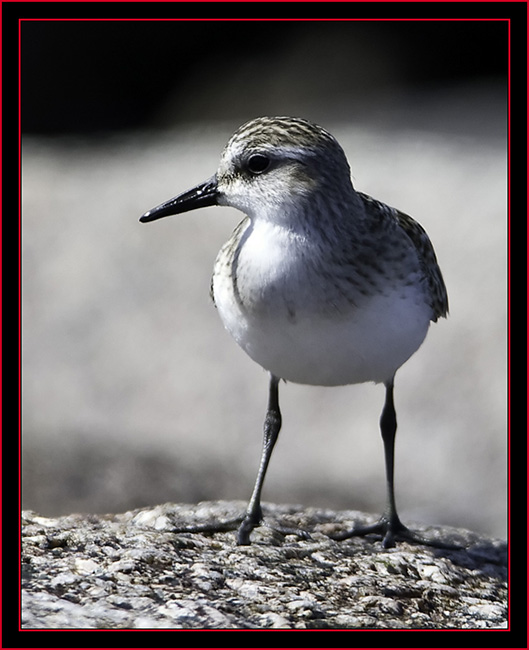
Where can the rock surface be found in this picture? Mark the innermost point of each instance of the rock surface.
(140, 570)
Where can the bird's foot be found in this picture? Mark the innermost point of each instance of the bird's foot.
(244, 526)
(249, 523)
(210, 527)
(392, 531)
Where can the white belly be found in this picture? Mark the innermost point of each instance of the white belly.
(284, 315)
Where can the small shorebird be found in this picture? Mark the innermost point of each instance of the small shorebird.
(320, 284)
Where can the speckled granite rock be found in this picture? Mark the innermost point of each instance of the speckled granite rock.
(138, 570)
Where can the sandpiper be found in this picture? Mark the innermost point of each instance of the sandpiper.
(320, 284)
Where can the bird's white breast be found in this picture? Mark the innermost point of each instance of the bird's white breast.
(277, 301)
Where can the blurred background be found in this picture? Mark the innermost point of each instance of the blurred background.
(133, 394)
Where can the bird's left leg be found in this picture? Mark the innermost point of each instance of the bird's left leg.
(389, 526)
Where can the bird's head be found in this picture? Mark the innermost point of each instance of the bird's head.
(270, 167)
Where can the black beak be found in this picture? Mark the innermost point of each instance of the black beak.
(198, 197)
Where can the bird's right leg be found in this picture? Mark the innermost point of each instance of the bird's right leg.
(254, 514)
(271, 428)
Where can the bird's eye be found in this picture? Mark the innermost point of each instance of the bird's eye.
(258, 163)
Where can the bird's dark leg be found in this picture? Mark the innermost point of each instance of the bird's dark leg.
(271, 428)
(388, 429)
(389, 525)
(254, 514)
